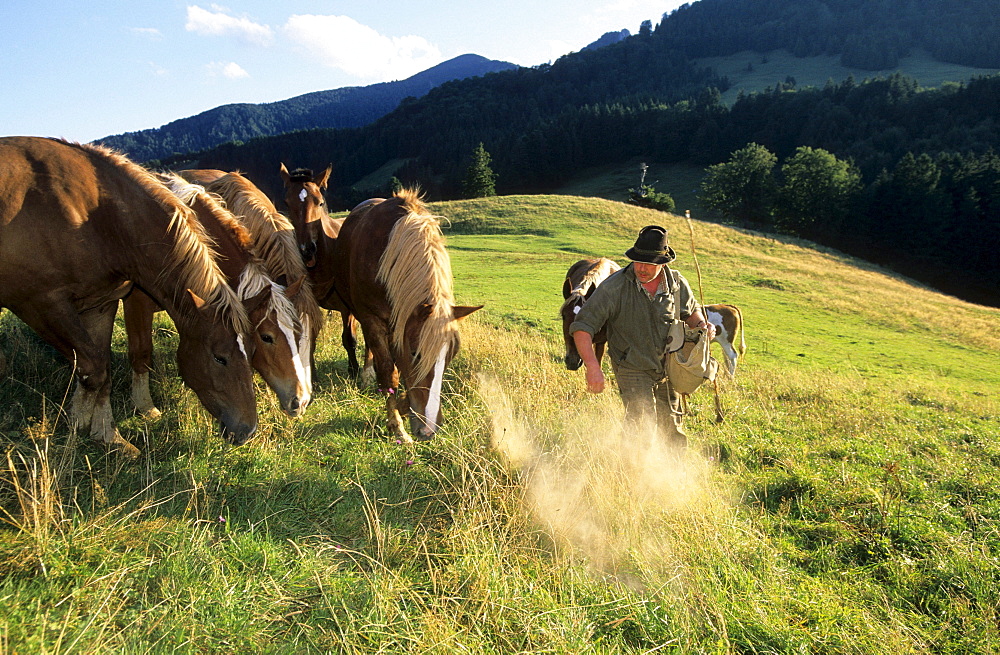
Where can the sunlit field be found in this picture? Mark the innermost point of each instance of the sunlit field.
(848, 503)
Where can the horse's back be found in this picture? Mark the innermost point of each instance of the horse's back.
(48, 192)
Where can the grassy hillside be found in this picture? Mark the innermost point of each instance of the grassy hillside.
(750, 71)
(854, 508)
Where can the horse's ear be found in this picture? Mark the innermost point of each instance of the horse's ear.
(324, 177)
(293, 289)
(284, 174)
(253, 304)
(423, 311)
(196, 299)
(463, 311)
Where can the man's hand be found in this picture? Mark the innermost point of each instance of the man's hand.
(585, 346)
(595, 379)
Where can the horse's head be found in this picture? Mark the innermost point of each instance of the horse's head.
(306, 207)
(278, 340)
(423, 369)
(212, 359)
(568, 311)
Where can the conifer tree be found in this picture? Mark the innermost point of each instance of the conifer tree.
(480, 180)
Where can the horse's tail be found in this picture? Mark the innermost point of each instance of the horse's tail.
(742, 347)
(416, 271)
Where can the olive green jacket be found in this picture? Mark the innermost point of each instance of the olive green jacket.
(637, 325)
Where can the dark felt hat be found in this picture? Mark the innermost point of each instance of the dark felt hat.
(651, 246)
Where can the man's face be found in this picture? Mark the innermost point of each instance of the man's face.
(646, 272)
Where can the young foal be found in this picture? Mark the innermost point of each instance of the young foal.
(79, 225)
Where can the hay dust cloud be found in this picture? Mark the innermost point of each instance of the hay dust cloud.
(621, 500)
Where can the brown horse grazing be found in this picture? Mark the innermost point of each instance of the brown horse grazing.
(273, 241)
(277, 331)
(392, 269)
(582, 279)
(316, 233)
(79, 225)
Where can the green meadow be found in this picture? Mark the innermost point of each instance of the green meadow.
(849, 503)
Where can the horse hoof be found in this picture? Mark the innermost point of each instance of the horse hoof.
(151, 414)
(118, 446)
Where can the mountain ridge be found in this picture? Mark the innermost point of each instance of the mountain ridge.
(343, 107)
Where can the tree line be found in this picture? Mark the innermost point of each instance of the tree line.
(936, 219)
(536, 141)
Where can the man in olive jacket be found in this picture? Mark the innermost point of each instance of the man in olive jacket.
(637, 305)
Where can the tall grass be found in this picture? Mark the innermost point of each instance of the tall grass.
(847, 505)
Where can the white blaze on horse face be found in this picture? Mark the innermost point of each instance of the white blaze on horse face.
(239, 342)
(300, 370)
(305, 351)
(303, 194)
(434, 398)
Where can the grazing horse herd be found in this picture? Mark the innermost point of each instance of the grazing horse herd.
(83, 228)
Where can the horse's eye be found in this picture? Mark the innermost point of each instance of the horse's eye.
(221, 360)
(267, 338)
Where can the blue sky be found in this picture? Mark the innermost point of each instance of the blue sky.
(83, 70)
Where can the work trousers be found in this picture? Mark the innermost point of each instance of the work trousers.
(650, 402)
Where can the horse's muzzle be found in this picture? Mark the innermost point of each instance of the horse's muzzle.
(573, 361)
(421, 431)
(308, 252)
(238, 436)
(296, 407)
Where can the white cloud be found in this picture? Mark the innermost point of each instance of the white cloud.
(231, 70)
(358, 50)
(219, 23)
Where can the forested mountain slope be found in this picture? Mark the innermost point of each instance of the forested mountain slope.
(932, 151)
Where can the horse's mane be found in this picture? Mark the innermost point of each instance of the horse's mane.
(254, 277)
(596, 274)
(193, 256)
(272, 235)
(416, 269)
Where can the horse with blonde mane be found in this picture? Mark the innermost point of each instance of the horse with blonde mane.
(394, 274)
(79, 226)
(276, 331)
(273, 241)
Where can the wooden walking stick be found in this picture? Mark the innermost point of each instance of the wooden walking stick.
(719, 416)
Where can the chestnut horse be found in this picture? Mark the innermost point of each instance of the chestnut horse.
(316, 233)
(273, 241)
(582, 279)
(79, 225)
(277, 332)
(392, 270)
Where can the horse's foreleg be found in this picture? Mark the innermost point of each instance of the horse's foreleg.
(388, 384)
(92, 399)
(368, 376)
(138, 309)
(349, 339)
